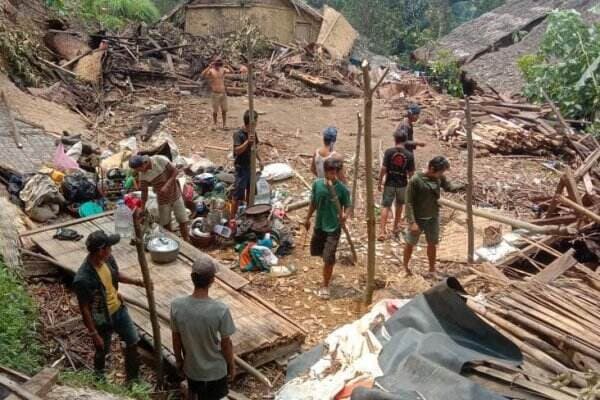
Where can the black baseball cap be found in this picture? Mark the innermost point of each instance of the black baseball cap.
(100, 239)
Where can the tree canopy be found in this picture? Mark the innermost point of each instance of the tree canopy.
(397, 27)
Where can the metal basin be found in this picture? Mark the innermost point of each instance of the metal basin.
(163, 249)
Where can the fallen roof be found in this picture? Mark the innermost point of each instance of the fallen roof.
(486, 45)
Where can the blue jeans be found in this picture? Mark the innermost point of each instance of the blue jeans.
(122, 324)
(242, 183)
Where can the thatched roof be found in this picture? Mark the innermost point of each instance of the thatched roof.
(486, 45)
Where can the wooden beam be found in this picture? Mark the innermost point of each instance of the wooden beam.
(70, 222)
(556, 268)
(589, 163)
(469, 199)
(368, 117)
(550, 229)
(579, 208)
(571, 186)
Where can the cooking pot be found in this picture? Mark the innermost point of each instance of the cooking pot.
(163, 249)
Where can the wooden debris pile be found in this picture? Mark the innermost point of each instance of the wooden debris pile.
(553, 319)
(500, 125)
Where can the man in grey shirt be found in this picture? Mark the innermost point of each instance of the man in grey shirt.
(202, 329)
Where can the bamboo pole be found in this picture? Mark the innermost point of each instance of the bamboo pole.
(356, 160)
(252, 132)
(338, 207)
(548, 229)
(470, 225)
(579, 208)
(368, 115)
(139, 246)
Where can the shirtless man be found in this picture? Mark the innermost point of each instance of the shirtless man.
(215, 74)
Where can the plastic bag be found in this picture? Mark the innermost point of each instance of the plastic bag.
(277, 172)
(77, 188)
(75, 151)
(63, 162)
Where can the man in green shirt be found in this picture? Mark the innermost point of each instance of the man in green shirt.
(327, 193)
(422, 209)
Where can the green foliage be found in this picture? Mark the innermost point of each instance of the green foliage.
(445, 71)
(111, 14)
(21, 349)
(397, 27)
(566, 67)
(87, 379)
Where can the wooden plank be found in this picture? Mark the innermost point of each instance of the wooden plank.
(39, 385)
(572, 186)
(64, 224)
(259, 329)
(556, 268)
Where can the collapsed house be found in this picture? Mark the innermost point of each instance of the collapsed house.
(282, 21)
(489, 46)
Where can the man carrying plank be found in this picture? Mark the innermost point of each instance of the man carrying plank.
(202, 329)
(423, 211)
(329, 221)
(96, 285)
(243, 140)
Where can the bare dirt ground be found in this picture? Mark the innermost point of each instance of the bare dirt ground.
(288, 129)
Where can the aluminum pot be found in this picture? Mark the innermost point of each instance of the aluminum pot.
(163, 249)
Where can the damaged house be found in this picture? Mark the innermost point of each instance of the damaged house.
(283, 21)
(489, 46)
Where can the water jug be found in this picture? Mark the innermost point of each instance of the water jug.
(263, 191)
(123, 220)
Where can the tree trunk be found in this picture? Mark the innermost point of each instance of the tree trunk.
(470, 226)
(356, 161)
(252, 189)
(139, 246)
(368, 104)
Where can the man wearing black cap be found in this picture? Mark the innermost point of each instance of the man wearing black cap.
(406, 126)
(398, 167)
(96, 285)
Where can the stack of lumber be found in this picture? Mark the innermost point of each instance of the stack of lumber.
(500, 125)
(555, 323)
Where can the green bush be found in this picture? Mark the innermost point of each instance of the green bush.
(111, 14)
(21, 349)
(566, 66)
(87, 379)
(445, 71)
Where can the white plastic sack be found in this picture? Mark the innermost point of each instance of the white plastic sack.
(277, 172)
(75, 151)
(128, 144)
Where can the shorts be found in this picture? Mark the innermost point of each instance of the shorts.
(219, 100)
(391, 193)
(431, 227)
(210, 390)
(178, 207)
(242, 183)
(122, 324)
(324, 244)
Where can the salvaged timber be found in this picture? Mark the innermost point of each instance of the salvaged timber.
(324, 85)
(17, 389)
(149, 286)
(557, 267)
(40, 384)
(260, 331)
(579, 208)
(548, 229)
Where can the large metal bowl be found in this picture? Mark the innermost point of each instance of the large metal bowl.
(163, 249)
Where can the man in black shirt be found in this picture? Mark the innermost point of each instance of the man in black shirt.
(398, 166)
(412, 115)
(242, 145)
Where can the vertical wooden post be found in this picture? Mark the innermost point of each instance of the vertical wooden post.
(139, 246)
(470, 225)
(252, 130)
(356, 160)
(368, 103)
